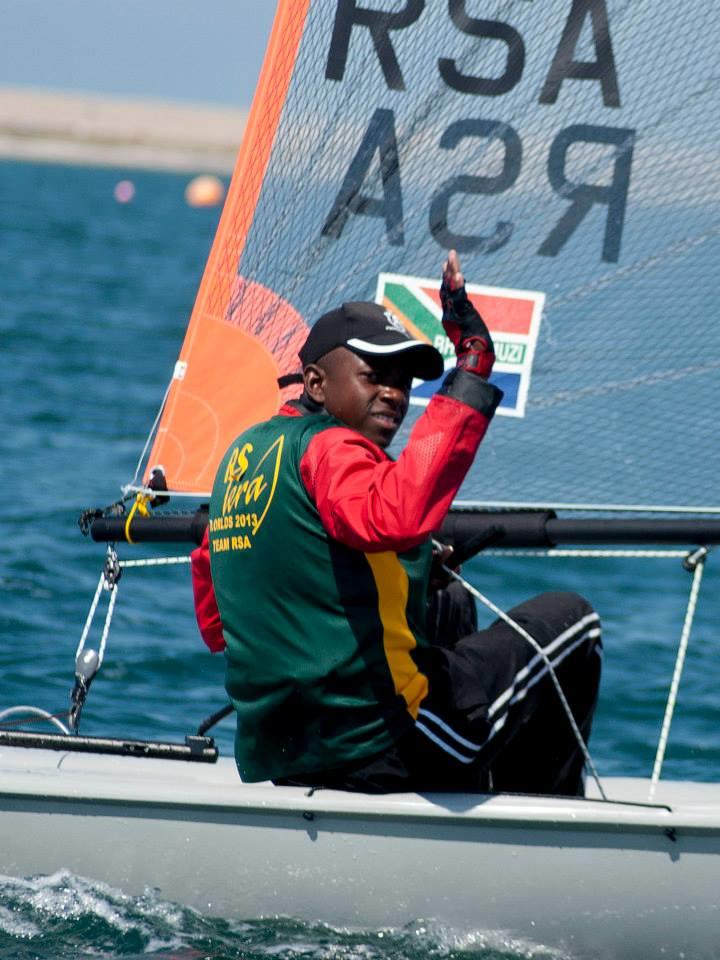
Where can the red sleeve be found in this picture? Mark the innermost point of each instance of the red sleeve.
(206, 608)
(371, 503)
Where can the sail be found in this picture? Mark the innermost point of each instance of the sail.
(241, 332)
(566, 149)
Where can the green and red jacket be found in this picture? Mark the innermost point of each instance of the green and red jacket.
(320, 554)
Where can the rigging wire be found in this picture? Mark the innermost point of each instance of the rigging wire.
(695, 563)
(151, 433)
(480, 505)
(551, 671)
(91, 615)
(107, 581)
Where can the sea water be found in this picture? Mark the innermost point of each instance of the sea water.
(94, 299)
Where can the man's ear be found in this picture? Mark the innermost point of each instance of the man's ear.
(314, 377)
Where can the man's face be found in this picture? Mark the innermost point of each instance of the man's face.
(371, 395)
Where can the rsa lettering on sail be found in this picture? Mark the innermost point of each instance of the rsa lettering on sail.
(608, 190)
(249, 489)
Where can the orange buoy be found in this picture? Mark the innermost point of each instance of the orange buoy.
(205, 191)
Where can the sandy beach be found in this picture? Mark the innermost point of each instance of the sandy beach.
(65, 127)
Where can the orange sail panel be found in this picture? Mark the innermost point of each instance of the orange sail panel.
(241, 336)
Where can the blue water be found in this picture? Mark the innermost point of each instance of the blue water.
(94, 298)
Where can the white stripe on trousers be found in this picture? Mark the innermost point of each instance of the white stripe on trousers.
(522, 682)
(537, 659)
(522, 693)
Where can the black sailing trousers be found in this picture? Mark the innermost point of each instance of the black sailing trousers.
(493, 720)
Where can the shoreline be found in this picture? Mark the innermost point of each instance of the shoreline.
(86, 129)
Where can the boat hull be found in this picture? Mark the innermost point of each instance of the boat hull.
(592, 878)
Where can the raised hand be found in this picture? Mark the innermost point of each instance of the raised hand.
(463, 324)
(452, 275)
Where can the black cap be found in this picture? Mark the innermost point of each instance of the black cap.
(370, 331)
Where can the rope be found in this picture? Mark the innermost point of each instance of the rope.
(112, 587)
(108, 619)
(157, 562)
(36, 711)
(108, 581)
(635, 554)
(130, 488)
(90, 616)
(539, 650)
(140, 506)
(214, 718)
(696, 563)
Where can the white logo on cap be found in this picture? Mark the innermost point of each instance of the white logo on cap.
(394, 323)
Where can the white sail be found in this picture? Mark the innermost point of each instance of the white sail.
(566, 149)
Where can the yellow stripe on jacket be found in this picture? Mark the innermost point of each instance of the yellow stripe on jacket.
(391, 582)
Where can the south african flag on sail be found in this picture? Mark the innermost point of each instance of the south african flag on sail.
(513, 317)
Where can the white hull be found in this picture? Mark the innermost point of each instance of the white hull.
(596, 879)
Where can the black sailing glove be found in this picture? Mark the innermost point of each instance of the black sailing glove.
(466, 329)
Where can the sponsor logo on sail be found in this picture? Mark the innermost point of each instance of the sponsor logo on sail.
(513, 318)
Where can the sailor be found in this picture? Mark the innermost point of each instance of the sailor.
(321, 558)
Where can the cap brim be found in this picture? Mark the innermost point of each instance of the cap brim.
(421, 358)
